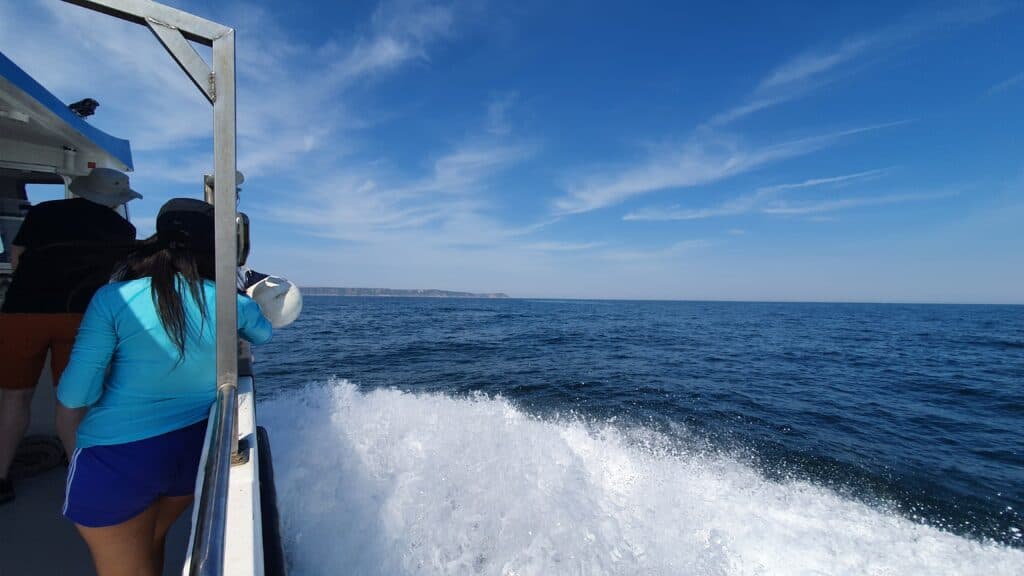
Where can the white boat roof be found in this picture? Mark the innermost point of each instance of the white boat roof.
(38, 132)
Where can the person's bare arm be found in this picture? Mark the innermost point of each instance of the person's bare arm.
(67, 421)
(16, 252)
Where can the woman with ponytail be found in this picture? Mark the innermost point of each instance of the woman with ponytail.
(144, 363)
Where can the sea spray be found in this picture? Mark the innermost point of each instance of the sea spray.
(389, 482)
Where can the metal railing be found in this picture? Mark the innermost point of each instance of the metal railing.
(211, 519)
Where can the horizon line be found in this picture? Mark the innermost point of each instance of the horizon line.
(661, 299)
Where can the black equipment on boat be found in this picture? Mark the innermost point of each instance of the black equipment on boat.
(85, 107)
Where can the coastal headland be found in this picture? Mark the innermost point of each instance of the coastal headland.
(395, 292)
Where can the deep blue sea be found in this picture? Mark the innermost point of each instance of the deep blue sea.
(449, 436)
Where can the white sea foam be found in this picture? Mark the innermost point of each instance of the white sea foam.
(393, 483)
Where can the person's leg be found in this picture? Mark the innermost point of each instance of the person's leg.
(182, 456)
(123, 549)
(168, 509)
(23, 344)
(15, 408)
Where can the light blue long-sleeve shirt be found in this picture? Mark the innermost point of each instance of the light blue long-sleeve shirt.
(147, 391)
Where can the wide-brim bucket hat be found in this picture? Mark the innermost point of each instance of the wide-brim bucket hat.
(279, 300)
(104, 186)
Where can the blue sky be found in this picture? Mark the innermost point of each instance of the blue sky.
(863, 151)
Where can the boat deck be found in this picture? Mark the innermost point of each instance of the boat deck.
(35, 538)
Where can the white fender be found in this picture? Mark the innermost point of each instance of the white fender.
(279, 300)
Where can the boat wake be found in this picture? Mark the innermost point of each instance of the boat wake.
(388, 482)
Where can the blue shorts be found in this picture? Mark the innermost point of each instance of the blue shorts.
(110, 484)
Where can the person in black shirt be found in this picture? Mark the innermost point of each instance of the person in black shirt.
(57, 268)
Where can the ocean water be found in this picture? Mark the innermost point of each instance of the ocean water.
(516, 437)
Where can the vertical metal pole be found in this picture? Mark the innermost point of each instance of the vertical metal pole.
(225, 207)
(208, 188)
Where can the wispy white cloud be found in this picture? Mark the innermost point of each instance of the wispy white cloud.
(400, 32)
(302, 103)
(747, 108)
(467, 166)
(563, 246)
(796, 78)
(832, 180)
(352, 198)
(703, 160)
(370, 203)
(671, 252)
(497, 114)
(740, 205)
(747, 202)
(811, 65)
(813, 69)
(1006, 84)
(803, 208)
(528, 229)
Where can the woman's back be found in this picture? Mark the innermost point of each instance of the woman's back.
(151, 388)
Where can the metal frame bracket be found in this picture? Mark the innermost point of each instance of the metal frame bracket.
(186, 56)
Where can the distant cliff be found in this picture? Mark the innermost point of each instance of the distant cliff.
(393, 292)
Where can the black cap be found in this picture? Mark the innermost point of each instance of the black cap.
(186, 223)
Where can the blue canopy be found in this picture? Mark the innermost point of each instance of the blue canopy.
(52, 116)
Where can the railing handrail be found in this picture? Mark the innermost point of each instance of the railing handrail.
(211, 518)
